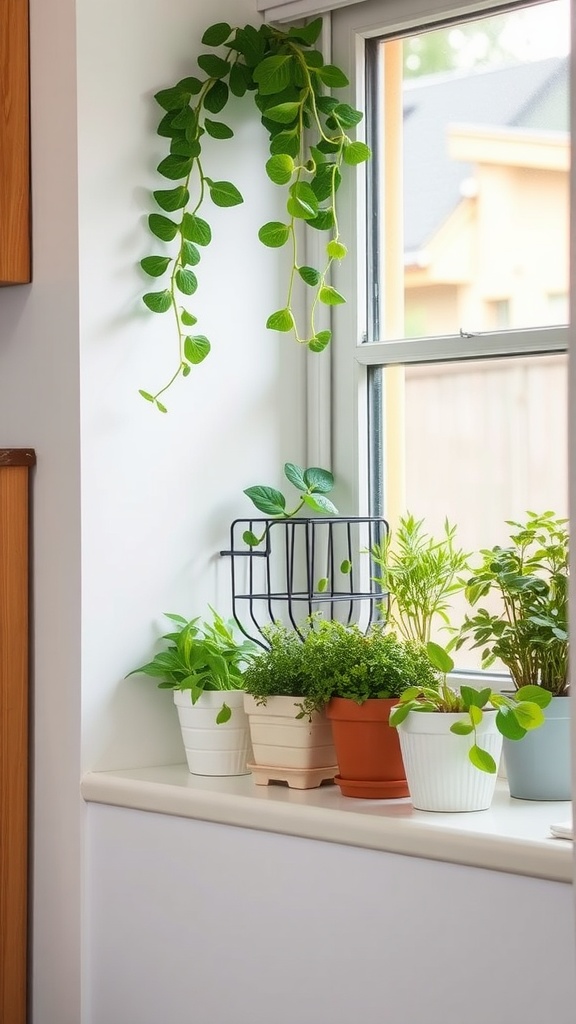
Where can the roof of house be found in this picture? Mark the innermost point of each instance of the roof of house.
(528, 95)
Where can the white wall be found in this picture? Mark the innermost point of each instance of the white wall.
(157, 492)
(247, 927)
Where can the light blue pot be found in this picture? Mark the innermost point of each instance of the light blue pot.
(539, 766)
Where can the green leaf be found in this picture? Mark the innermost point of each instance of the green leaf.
(286, 142)
(439, 658)
(155, 266)
(217, 129)
(224, 715)
(186, 281)
(482, 759)
(213, 66)
(319, 503)
(194, 229)
(347, 115)
(324, 220)
(146, 395)
(475, 714)
(508, 724)
(162, 227)
(283, 113)
(309, 275)
(166, 129)
(189, 255)
(536, 694)
(528, 715)
(307, 33)
(175, 167)
(319, 480)
(160, 407)
(398, 714)
(224, 193)
(217, 34)
(188, 319)
(173, 99)
(191, 85)
(237, 79)
(274, 234)
(471, 696)
(251, 539)
(274, 74)
(330, 296)
(185, 119)
(336, 250)
(295, 475)
(346, 567)
(356, 153)
(461, 728)
(332, 76)
(196, 348)
(302, 202)
(158, 302)
(171, 199)
(320, 341)
(281, 320)
(322, 585)
(216, 97)
(280, 168)
(267, 500)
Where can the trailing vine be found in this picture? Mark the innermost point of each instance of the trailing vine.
(309, 147)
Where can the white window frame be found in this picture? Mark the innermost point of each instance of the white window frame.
(351, 27)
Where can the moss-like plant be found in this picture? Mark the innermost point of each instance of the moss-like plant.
(309, 146)
(326, 658)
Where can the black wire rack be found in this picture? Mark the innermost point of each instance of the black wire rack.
(304, 566)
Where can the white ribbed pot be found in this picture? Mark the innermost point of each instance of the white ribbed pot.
(284, 744)
(440, 774)
(213, 749)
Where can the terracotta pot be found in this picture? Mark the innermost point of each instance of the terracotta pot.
(367, 749)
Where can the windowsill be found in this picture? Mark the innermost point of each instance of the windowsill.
(512, 836)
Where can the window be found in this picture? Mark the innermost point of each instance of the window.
(450, 366)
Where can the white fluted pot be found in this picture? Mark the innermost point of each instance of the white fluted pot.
(440, 774)
(213, 749)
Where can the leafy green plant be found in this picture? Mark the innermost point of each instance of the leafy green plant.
(312, 483)
(309, 148)
(326, 658)
(201, 656)
(529, 630)
(421, 573)
(515, 715)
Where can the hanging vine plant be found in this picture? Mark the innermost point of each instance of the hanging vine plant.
(309, 147)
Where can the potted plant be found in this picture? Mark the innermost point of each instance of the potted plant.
(285, 699)
(204, 664)
(420, 573)
(365, 674)
(527, 630)
(451, 740)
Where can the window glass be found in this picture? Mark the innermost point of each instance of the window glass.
(468, 274)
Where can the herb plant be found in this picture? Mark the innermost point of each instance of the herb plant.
(529, 630)
(325, 658)
(201, 656)
(515, 715)
(421, 573)
(308, 129)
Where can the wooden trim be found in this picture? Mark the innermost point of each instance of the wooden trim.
(17, 457)
(15, 256)
(14, 586)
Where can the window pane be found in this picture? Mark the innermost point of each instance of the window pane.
(477, 442)
(479, 159)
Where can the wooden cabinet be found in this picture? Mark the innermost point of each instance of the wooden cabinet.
(15, 466)
(15, 257)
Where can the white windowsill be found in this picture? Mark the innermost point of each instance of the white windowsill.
(512, 836)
